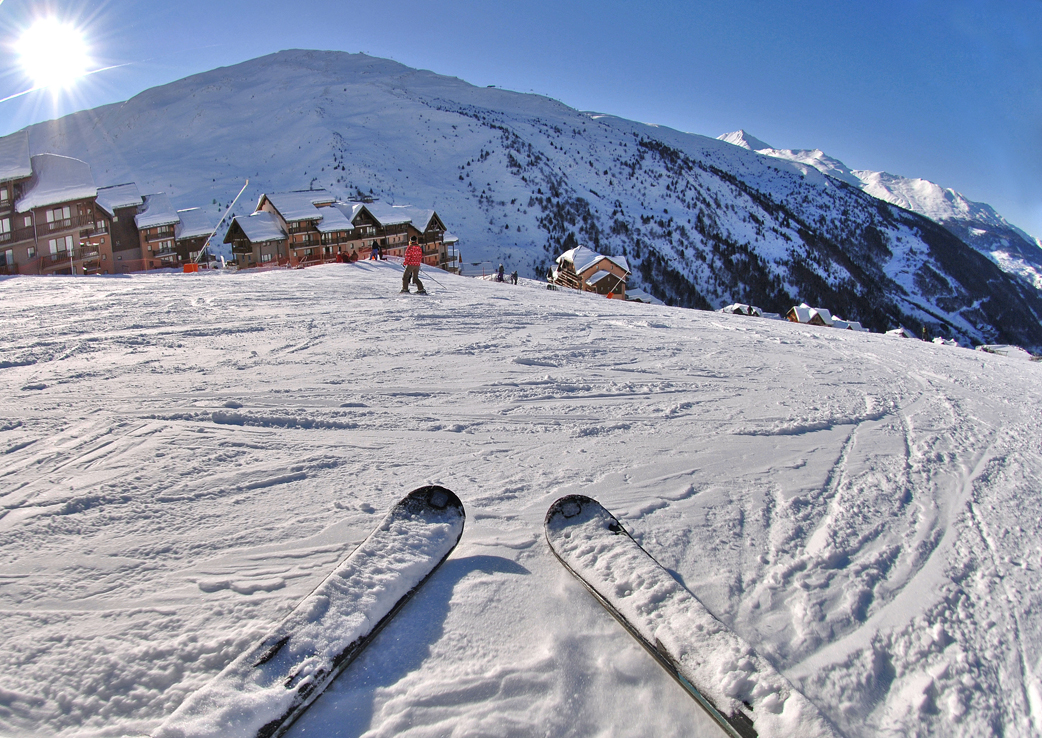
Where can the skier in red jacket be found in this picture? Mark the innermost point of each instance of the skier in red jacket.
(413, 260)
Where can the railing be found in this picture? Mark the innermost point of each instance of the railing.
(64, 257)
(25, 233)
(77, 221)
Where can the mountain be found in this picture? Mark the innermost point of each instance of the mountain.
(975, 223)
(520, 178)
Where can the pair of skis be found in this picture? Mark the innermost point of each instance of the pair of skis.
(262, 692)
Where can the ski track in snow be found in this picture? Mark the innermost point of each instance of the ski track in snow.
(187, 456)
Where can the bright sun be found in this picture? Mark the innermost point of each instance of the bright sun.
(54, 54)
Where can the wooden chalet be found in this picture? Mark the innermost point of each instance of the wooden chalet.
(55, 226)
(15, 171)
(585, 270)
(194, 228)
(118, 206)
(258, 239)
(809, 316)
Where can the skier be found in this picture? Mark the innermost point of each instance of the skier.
(413, 259)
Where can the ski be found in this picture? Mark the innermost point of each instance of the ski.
(738, 688)
(263, 691)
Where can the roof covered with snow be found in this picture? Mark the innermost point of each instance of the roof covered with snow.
(14, 157)
(57, 179)
(156, 211)
(583, 258)
(333, 220)
(118, 196)
(260, 227)
(805, 314)
(391, 214)
(193, 223)
(299, 205)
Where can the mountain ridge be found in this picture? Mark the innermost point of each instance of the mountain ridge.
(521, 177)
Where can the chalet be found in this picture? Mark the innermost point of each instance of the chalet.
(15, 171)
(809, 316)
(847, 325)
(315, 230)
(193, 230)
(586, 270)
(56, 228)
(117, 207)
(258, 239)
(740, 309)
(901, 332)
(156, 222)
(399, 223)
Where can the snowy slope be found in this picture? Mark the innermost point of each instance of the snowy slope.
(975, 223)
(521, 178)
(187, 456)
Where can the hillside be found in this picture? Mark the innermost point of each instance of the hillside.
(975, 223)
(187, 456)
(519, 178)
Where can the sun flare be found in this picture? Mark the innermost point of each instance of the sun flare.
(53, 54)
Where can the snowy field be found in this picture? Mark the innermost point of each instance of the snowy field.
(186, 456)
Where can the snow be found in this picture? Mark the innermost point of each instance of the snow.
(56, 179)
(14, 157)
(193, 223)
(182, 468)
(582, 258)
(118, 196)
(299, 205)
(156, 210)
(261, 226)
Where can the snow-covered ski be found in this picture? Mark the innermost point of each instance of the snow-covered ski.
(263, 691)
(738, 688)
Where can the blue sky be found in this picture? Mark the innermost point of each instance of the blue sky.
(950, 91)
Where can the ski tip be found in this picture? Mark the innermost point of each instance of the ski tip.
(435, 497)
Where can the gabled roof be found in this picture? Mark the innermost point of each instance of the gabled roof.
(259, 227)
(350, 210)
(14, 157)
(333, 220)
(804, 313)
(193, 223)
(582, 259)
(56, 179)
(118, 196)
(298, 205)
(387, 215)
(156, 211)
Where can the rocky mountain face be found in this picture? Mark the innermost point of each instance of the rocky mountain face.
(520, 178)
(974, 223)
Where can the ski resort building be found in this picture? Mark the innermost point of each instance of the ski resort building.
(808, 315)
(740, 309)
(15, 171)
(586, 270)
(54, 225)
(307, 227)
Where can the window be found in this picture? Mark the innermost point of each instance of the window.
(4, 196)
(5, 224)
(57, 214)
(53, 245)
(28, 221)
(265, 257)
(8, 258)
(31, 251)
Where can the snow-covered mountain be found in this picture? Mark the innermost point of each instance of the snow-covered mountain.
(520, 178)
(975, 223)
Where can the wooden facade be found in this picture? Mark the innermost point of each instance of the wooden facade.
(587, 271)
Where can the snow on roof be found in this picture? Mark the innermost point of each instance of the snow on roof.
(901, 332)
(14, 157)
(57, 179)
(193, 223)
(742, 309)
(261, 226)
(583, 258)
(642, 296)
(1012, 352)
(449, 238)
(333, 219)
(350, 210)
(298, 205)
(598, 276)
(156, 211)
(118, 196)
(390, 214)
(805, 314)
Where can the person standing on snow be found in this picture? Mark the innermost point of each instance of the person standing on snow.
(413, 260)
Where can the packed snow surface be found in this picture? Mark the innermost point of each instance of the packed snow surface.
(186, 457)
(723, 669)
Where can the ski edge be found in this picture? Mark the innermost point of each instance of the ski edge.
(745, 727)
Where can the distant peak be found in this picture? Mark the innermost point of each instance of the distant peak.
(745, 140)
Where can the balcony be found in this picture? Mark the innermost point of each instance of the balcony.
(62, 258)
(77, 221)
